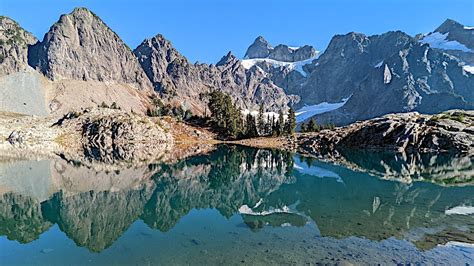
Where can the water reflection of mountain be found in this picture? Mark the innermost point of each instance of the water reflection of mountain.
(442, 168)
(268, 187)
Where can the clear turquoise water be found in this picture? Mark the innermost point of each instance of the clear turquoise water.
(233, 206)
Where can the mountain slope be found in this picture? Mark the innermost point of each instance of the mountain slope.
(383, 74)
(183, 83)
(80, 46)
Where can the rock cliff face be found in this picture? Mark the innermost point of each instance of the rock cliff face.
(184, 83)
(80, 46)
(14, 42)
(262, 49)
(451, 131)
(383, 74)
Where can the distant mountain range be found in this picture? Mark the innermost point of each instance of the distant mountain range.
(81, 62)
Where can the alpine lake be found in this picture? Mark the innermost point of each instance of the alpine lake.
(237, 205)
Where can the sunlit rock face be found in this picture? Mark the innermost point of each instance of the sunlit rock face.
(80, 46)
(450, 132)
(14, 46)
(183, 83)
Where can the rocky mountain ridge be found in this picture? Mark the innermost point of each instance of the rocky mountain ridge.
(260, 48)
(370, 75)
(179, 81)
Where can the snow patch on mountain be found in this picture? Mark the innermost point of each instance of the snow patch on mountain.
(440, 41)
(468, 28)
(312, 110)
(298, 66)
(468, 68)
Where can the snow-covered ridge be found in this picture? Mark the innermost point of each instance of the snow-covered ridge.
(298, 66)
(468, 28)
(312, 110)
(439, 41)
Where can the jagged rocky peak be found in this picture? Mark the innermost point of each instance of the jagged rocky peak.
(260, 48)
(227, 59)
(451, 35)
(80, 46)
(455, 31)
(448, 25)
(154, 55)
(14, 41)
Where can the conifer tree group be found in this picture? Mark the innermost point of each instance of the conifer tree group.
(228, 117)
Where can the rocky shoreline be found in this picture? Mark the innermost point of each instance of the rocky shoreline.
(110, 138)
(100, 136)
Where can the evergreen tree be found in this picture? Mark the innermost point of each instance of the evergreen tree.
(290, 125)
(280, 127)
(251, 127)
(312, 126)
(261, 121)
(303, 127)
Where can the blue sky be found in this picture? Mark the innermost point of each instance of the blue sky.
(205, 30)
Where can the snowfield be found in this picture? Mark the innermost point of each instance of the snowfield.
(469, 69)
(298, 66)
(438, 40)
(312, 110)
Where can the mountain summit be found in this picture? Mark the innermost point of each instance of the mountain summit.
(80, 46)
(260, 48)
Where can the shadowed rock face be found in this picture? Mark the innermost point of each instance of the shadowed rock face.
(184, 83)
(262, 49)
(386, 73)
(14, 42)
(80, 46)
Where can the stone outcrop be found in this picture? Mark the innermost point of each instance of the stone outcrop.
(14, 42)
(451, 131)
(114, 136)
(181, 82)
(80, 46)
(262, 49)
